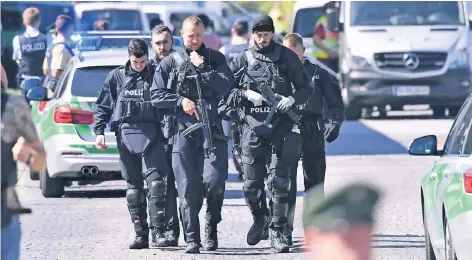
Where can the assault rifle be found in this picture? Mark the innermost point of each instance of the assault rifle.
(270, 96)
(202, 111)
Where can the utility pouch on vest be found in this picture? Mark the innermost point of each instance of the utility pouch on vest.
(138, 136)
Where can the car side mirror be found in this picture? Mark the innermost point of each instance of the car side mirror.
(470, 25)
(424, 146)
(332, 16)
(30, 83)
(38, 94)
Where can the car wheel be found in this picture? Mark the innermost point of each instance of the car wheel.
(427, 240)
(51, 187)
(450, 252)
(34, 176)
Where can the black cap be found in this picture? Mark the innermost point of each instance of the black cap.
(263, 23)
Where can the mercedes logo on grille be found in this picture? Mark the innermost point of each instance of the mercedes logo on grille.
(411, 61)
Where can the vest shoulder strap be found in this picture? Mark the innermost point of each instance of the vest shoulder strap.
(177, 58)
(250, 58)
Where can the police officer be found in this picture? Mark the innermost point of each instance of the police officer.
(313, 132)
(176, 87)
(162, 42)
(125, 99)
(29, 48)
(267, 58)
(239, 40)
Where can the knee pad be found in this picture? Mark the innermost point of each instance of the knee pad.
(292, 148)
(157, 188)
(280, 184)
(253, 190)
(135, 197)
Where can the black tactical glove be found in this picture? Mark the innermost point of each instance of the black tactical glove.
(332, 131)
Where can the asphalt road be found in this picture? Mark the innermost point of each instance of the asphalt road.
(93, 222)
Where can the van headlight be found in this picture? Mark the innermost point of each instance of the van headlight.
(358, 62)
(459, 59)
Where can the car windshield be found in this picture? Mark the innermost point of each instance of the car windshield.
(123, 20)
(386, 13)
(88, 82)
(305, 21)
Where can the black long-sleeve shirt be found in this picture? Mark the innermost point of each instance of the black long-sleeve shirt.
(325, 88)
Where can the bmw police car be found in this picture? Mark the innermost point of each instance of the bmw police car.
(65, 122)
(446, 190)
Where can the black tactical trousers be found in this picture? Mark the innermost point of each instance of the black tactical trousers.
(255, 150)
(198, 177)
(172, 218)
(152, 167)
(314, 165)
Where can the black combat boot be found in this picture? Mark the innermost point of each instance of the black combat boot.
(172, 238)
(254, 236)
(139, 242)
(193, 248)
(137, 209)
(158, 238)
(211, 236)
(277, 240)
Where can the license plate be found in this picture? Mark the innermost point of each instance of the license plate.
(410, 90)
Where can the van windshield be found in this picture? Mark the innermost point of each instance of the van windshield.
(387, 13)
(305, 21)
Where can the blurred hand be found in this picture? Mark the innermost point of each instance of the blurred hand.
(21, 151)
(100, 143)
(189, 107)
(196, 59)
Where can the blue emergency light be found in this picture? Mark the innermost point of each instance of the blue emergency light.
(99, 41)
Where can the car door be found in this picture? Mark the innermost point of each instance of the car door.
(441, 176)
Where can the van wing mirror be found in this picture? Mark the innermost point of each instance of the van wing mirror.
(332, 15)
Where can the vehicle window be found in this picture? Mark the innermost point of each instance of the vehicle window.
(305, 21)
(176, 19)
(460, 129)
(11, 17)
(125, 20)
(87, 82)
(383, 13)
(154, 19)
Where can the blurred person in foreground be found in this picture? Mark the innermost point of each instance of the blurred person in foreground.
(211, 39)
(340, 226)
(20, 143)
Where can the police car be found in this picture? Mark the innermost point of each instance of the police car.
(65, 122)
(446, 190)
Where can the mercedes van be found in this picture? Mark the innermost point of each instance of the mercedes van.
(403, 53)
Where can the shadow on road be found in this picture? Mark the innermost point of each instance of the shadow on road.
(358, 139)
(397, 241)
(95, 194)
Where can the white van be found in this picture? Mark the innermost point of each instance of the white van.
(403, 53)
